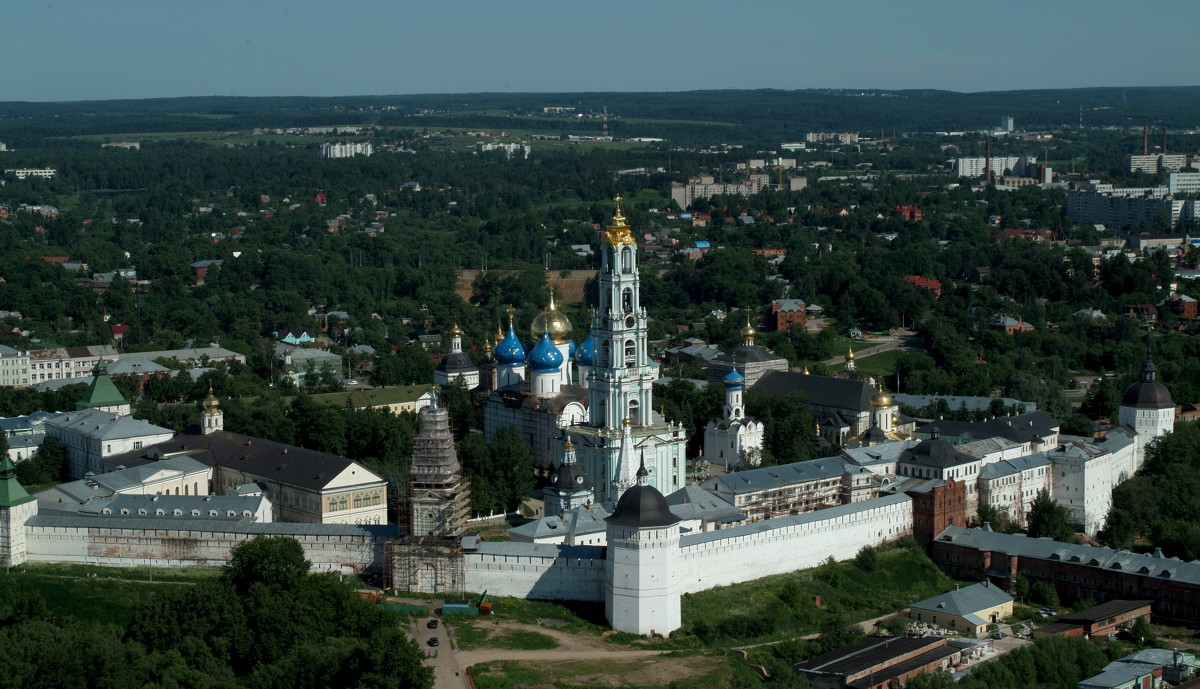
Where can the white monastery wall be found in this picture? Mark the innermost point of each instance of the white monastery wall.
(547, 572)
(786, 544)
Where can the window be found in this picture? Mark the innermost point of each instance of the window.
(627, 260)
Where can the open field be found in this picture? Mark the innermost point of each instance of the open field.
(631, 673)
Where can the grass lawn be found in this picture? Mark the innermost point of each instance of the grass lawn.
(476, 633)
(626, 673)
(783, 606)
(882, 364)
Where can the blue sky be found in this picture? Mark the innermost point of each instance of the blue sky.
(99, 49)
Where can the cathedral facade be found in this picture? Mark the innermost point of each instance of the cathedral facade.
(599, 395)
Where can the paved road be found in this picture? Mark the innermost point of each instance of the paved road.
(903, 339)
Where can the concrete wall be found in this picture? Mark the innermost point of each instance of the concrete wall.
(547, 572)
(169, 543)
(786, 544)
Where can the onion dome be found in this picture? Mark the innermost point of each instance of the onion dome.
(849, 354)
(499, 334)
(585, 354)
(881, 400)
(210, 402)
(456, 331)
(734, 380)
(642, 506)
(510, 351)
(545, 356)
(552, 321)
(1148, 393)
(748, 332)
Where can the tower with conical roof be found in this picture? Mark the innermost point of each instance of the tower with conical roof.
(1147, 408)
(440, 498)
(102, 394)
(16, 508)
(620, 377)
(642, 565)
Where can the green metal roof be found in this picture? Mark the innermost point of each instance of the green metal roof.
(12, 493)
(102, 393)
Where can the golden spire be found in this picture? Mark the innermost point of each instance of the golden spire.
(569, 446)
(805, 370)
(849, 354)
(618, 233)
(510, 311)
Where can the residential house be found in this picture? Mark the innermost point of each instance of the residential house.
(968, 611)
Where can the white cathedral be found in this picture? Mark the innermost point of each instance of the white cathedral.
(605, 411)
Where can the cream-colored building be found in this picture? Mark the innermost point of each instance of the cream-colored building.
(967, 611)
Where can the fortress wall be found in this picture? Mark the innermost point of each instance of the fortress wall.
(747, 553)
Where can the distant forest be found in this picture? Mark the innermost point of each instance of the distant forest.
(696, 116)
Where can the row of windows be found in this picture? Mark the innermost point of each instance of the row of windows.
(160, 512)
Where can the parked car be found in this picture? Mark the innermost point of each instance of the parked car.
(999, 635)
(434, 641)
(432, 624)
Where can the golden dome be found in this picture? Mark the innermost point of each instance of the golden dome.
(499, 334)
(210, 402)
(805, 372)
(569, 446)
(748, 332)
(849, 354)
(618, 232)
(456, 331)
(551, 321)
(881, 400)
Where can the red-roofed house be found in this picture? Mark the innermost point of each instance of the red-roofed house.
(930, 284)
(906, 212)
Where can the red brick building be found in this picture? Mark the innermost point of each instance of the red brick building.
(786, 313)
(937, 507)
(1181, 305)
(1077, 572)
(906, 212)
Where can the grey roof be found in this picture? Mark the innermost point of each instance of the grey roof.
(1008, 467)
(1020, 429)
(955, 402)
(29, 440)
(883, 453)
(147, 506)
(134, 364)
(102, 425)
(455, 362)
(693, 502)
(1085, 555)
(822, 390)
(267, 459)
(106, 484)
(790, 521)
(196, 353)
(577, 522)
(935, 452)
(59, 383)
(546, 550)
(206, 526)
(967, 601)
(15, 425)
(642, 506)
(740, 356)
(1117, 675)
(982, 448)
(765, 478)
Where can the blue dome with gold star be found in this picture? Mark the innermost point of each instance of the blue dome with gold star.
(545, 356)
(585, 354)
(510, 351)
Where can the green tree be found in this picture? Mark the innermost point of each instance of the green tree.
(272, 561)
(1047, 518)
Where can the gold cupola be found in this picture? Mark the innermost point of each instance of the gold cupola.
(210, 402)
(881, 399)
(618, 233)
(748, 332)
(552, 321)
